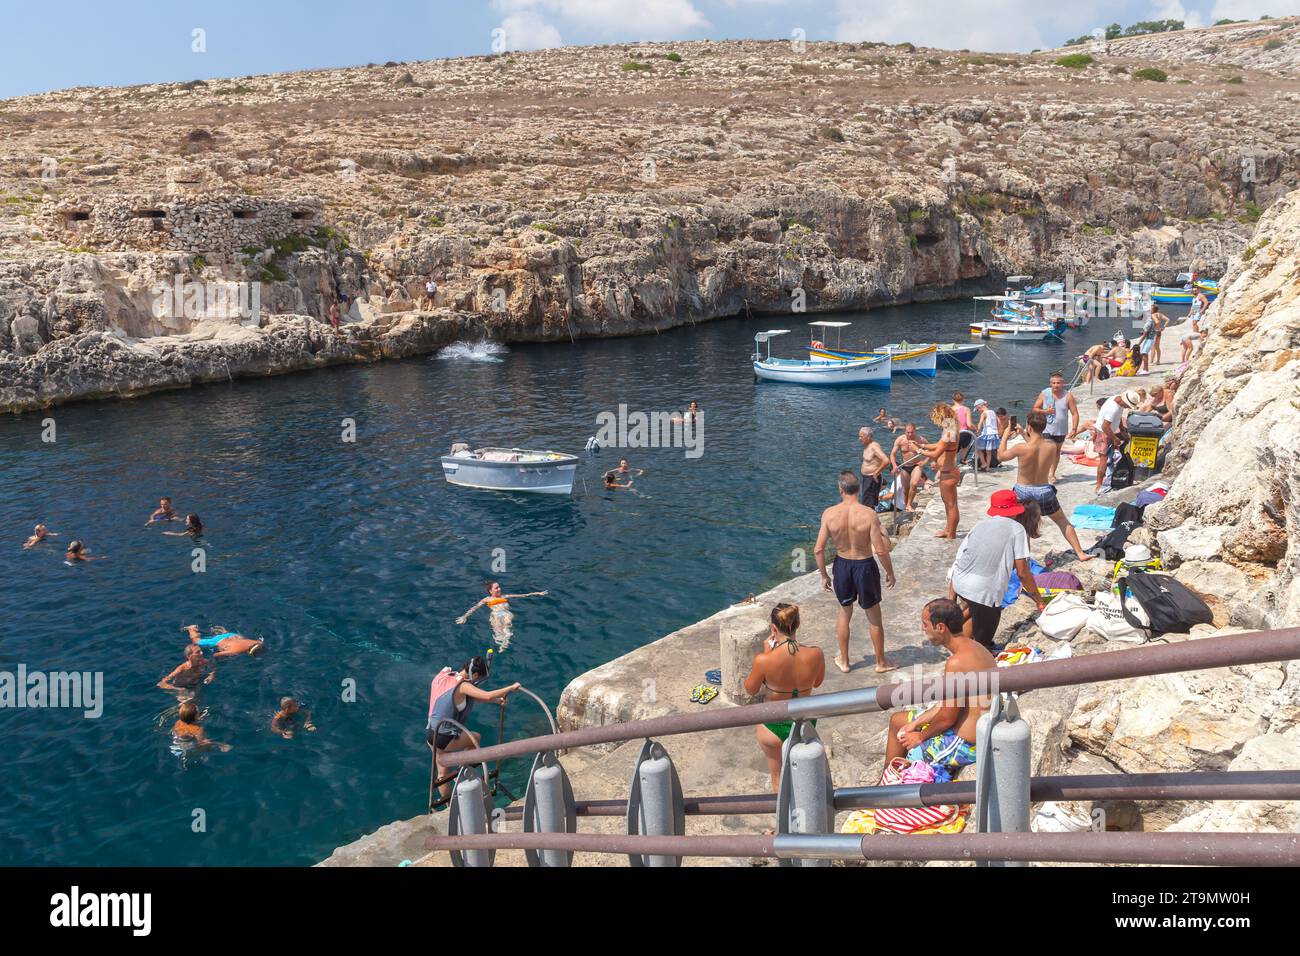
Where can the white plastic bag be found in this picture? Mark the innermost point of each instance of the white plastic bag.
(1064, 617)
(1107, 620)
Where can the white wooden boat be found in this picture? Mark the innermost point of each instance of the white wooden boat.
(912, 359)
(868, 371)
(510, 469)
(1005, 326)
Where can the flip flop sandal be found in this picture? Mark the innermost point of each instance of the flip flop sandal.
(695, 693)
(713, 676)
(707, 694)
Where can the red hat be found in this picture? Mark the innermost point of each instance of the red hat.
(1005, 504)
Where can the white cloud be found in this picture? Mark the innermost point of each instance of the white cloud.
(1174, 10)
(1253, 9)
(633, 19)
(948, 24)
(527, 30)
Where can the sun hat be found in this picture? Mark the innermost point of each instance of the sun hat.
(1005, 504)
(1137, 554)
(1132, 398)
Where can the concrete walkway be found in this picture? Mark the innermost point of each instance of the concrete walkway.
(656, 679)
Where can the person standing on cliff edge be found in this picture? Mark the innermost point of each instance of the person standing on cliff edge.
(859, 541)
(874, 461)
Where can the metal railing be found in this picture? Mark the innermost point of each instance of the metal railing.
(806, 801)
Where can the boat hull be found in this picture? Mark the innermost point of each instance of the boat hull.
(554, 477)
(913, 361)
(873, 371)
(960, 357)
(1010, 331)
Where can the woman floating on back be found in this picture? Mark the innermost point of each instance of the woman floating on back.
(502, 618)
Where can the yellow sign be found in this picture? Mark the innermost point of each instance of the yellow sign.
(1143, 451)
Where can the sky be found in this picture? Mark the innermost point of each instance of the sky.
(49, 46)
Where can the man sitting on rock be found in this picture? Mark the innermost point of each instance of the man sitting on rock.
(944, 735)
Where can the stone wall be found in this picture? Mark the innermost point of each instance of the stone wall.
(217, 224)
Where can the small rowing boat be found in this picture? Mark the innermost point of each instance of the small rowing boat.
(866, 371)
(911, 359)
(510, 469)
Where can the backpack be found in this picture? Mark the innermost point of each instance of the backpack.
(1120, 470)
(1169, 605)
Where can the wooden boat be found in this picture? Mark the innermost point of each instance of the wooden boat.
(912, 359)
(956, 355)
(867, 371)
(510, 469)
(1011, 331)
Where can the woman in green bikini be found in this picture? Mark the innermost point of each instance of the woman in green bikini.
(787, 671)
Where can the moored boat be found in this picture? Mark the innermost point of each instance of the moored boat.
(866, 371)
(510, 469)
(957, 355)
(1011, 331)
(912, 359)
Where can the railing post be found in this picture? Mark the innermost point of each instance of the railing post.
(549, 807)
(805, 799)
(656, 805)
(1002, 751)
(471, 808)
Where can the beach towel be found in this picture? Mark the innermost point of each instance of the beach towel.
(863, 822)
(1014, 654)
(1014, 587)
(1089, 461)
(1093, 517)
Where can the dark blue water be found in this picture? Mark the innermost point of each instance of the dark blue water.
(352, 560)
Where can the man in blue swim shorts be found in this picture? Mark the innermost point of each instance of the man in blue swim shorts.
(1035, 458)
(859, 541)
(224, 643)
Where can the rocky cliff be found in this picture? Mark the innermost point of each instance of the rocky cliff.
(1235, 501)
(596, 191)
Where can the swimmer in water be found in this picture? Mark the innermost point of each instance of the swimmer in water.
(624, 469)
(612, 482)
(188, 676)
(39, 534)
(693, 411)
(286, 720)
(502, 618)
(193, 528)
(79, 552)
(224, 643)
(187, 728)
(164, 512)
(890, 423)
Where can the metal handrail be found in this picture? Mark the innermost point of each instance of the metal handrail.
(1257, 647)
(1208, 785)
(1153, 849)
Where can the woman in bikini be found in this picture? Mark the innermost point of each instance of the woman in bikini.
(943, 454)
(502, 618)
(788, 671)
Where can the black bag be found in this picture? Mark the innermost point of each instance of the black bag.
(1128, 514)
(1169, 604)
(1111, 547)
(1121, 470)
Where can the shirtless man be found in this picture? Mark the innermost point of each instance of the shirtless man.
(874, 461)
(187, 728)
(946, 731)
(1062, 416)
(224, 643)
(40, 534)
(858, 536)
(164, 512)
(906, 447)
(1035, 459)
(190, 674)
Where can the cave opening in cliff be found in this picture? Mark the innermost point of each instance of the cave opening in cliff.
(303, 214)
(245, 213)
(73, 218)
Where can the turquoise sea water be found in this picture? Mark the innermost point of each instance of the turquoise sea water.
(352, 560)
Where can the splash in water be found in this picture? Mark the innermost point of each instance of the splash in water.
(474, 351)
